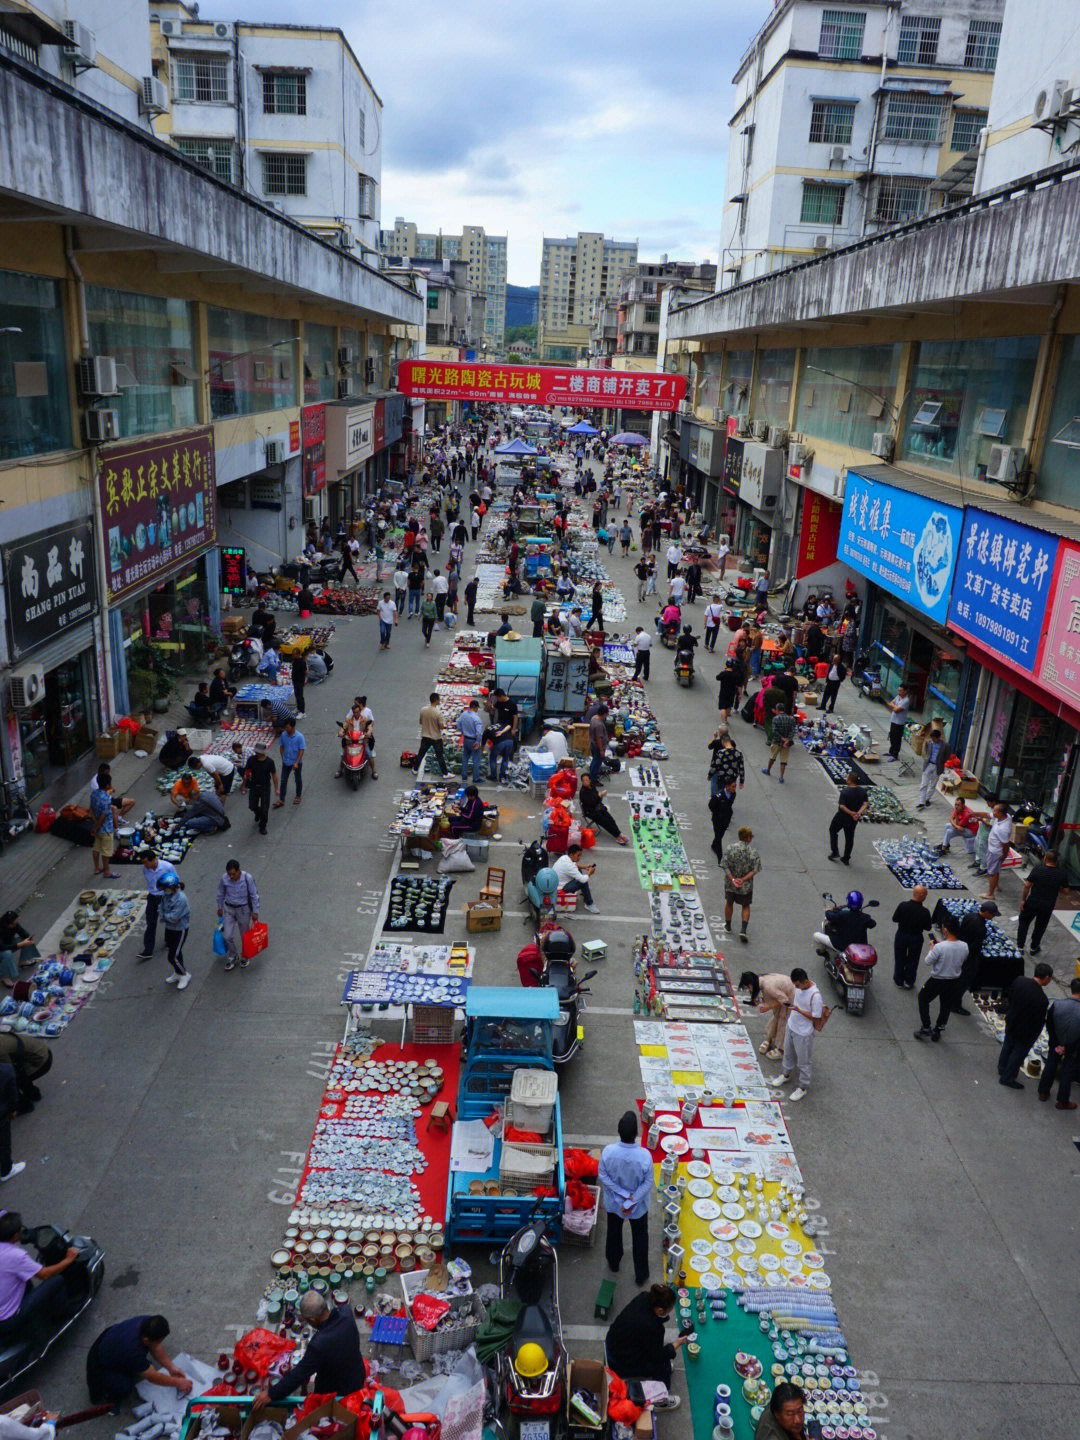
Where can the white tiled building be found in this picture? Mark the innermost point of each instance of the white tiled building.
(486, 258)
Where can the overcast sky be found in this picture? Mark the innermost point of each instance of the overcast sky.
(549, 118)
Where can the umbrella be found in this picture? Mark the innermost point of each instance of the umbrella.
(516, 447)
(627, 437)
(582, 428)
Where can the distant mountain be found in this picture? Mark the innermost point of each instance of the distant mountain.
(522, 304)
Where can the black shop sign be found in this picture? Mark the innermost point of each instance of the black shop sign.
(51, 584)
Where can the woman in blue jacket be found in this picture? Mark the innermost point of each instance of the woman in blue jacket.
(175, 914)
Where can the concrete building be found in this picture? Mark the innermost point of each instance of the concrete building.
(181, 367)
(629, 322)
(285, 112)
(575, 274)
(484, 254)
(849, 119)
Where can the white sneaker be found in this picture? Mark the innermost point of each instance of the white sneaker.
(17, 1168)
(171, 979)
(797, 1094)
(183, 982)
(593, 909)
(779, 1080)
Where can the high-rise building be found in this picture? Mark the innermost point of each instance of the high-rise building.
(576, 273)
(485, 255)
(849, 119)
(628, 323)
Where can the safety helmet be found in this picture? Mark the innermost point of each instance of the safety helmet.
(530, 1361)
(854, 900)
(169, 881)
(687, 629)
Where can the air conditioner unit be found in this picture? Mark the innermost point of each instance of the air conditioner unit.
(344, 356)
(369, 372)
(777, 436)
(275, 452)
(1048, 102)
(821, 242)
(345, 239)
(81, 47)
(882, 445)
(27, 687)
(344, 387)
(153, 96)
(1005, 463)
(759, 429)
(224, 30)
(796, 453)
(837, 155)
(97, 376)
(1070, 101)
(101, 425)
(171, 27)
(720, 416)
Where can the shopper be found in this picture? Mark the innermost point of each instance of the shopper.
(912, 920)
(961, 825)
(1041, 889)
(470, 726)
(431, 733)
(626, 1182)
(260, 776)
(129, 1352)
(104, 816)
(674, 559)
(238, 910)
(727, 762)
(595, 812)
(721, 810)
(221, 770)
(741, 865)
(807, 1014)
(470, 592)
(538, 614)
(1025, 1014)
(152, 871)
(935, 753)
(972, 931)
(1063, 1050)
(205, 814)
(504, 731)
(784, 729)
(851, 806)
(774, 995)
(946, 964)
(833, 680)
(598, 741)
(573, 876)
(900, 707)
(387, 612)
(729, 688)
(997, 847)
(176, 918)
(712, 619)
(401, 586)
(642, 647)
(636, 1346)
(774, 699)
(428, 615)
(293, 746)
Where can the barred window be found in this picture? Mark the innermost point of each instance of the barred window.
(919, 36)
(284, 174)
(822, 204)
(965, 129)
(981, 51)
(900, 198)
(916, 118)
(366, 197)
(841, 34)
(284, 94)
(201, 79)
(215, 155)
(831, 122)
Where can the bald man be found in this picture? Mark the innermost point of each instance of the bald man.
(912, 920)
(332, 1355)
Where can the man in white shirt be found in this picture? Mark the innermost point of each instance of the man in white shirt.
(723, 550)
(574, 876)
(388, 616)
(401, 585)
(554, 742)
(674, 558)
(441, 586)
(997, 847)
(807, 1014)
(677, 589)
(714, 618)
(642, 646)
(221, 769)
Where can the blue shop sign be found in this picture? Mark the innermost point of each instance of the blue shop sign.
(905, 543)
(1002, 585)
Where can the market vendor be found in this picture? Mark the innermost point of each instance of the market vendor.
(469, 816)
(176, 751)
(184, 790)
(127, 1352)
(205, 813)
(332, 1355)
(30, 1058)
(785, 1419)
(636, 1347)
(17, 949)
(596, 813)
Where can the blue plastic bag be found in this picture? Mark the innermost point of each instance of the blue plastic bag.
(220, 948)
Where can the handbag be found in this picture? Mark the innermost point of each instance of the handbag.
(255, 939)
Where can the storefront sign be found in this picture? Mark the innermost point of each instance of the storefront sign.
(51, 584)
(733, 458)
(313, 426)
(233, 570)
(393, 418)
(541, 385)
(1002, 586)
(294, 436)
(359, 436)
(1059, 667)
(379, 442)
(903, 542)
(158, 506)
(819, 534)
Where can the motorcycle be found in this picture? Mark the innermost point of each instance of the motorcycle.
(684, 668)
(21, 1352)
(852, 968)
(354, 756)
(668, 634)
(550, 961)
(532, 1368)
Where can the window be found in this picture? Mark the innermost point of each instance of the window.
(365, 197)
(652, 314)
(34, 413)
(831, 122)
(918, 40)
(320, 362)
(215, 155)
(251, 360)
(25, 49)
(152, 340)
(841, 34)
(954, 384)
(840, 393)
(900, 198)
(822, 204)
(981, 51)
(363, 119)
(914, 118)
(965, 129)
(201, 79)
(284, 94)
(284, 174)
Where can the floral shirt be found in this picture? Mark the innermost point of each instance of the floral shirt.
(741, 859)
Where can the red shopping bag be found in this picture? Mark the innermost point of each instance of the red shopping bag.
(255, 939)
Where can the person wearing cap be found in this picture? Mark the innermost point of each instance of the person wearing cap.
(972, 931)
(176, 918)
(260, 776)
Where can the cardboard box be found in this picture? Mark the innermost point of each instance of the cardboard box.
(588, 1375)
(490, 823)
(147, 739)
(274, 1413)
(107, 746)
(644, 1428)
(314, 1418)
(233, 625)
(482, 915)
(579, 738)
(125, 739)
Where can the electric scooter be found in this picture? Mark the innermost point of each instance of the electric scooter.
(355, 759)
(532, 1368)
(21, 1351)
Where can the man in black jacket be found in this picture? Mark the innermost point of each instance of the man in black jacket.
(332, 1355)
(1025, 1016)
(973, 933)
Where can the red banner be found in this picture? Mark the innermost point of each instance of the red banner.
(819, 535)
(313, 425)
(540, 385)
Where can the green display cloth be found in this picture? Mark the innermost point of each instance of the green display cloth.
(658, 846)
(719, 1340)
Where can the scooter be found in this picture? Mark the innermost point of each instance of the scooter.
(557, 969)
(684, 668)
(668, 634)
(534, 1394)
(355, 759)
(851, 969)
(19, 1353)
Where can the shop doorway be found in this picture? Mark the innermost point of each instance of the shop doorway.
(57, 731)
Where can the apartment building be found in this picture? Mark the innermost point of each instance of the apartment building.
(484, 254)
(850, 118)
(576, 273)
(629, 324)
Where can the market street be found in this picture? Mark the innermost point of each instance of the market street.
(174, 1126)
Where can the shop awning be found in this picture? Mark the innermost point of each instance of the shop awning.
(1019, 681)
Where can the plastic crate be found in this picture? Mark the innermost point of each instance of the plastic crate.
(531, 1102)
(512, 1165)
(434, 1025)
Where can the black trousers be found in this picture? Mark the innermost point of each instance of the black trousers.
(721, 819)
(538, 629)
(174, 944)
(440, 607)
(832, 689)
(641, 665)
(153, 904)
(639, 1245)
(1015, 1045)
(437, 746)
(945, 991)
(603, 818)
(711, 632)
(896, 736)
(906, 947)
(427, 625)
(1067, 1063)
(259, 805)
(469, 605)
(842, 823)
(1042, 919)
(9, 1099)
(298, 692)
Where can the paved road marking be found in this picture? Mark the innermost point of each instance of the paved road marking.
(609, 1010)
(584, 1332)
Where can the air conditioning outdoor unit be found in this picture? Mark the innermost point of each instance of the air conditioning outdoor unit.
(153, 96)
(837, 155)
(821, 242)
(1005, 463)
(223, 30)
(81, 47)
(759, 429)
(101, 425)
(343, 388)
(369, 372)
(720, 416)
(275, 452)
(344, 356)
(796, 453)
(1048, 102)
(97, 376)
(777, 436)
(882, 445)
(27, 686)
(171, 27)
